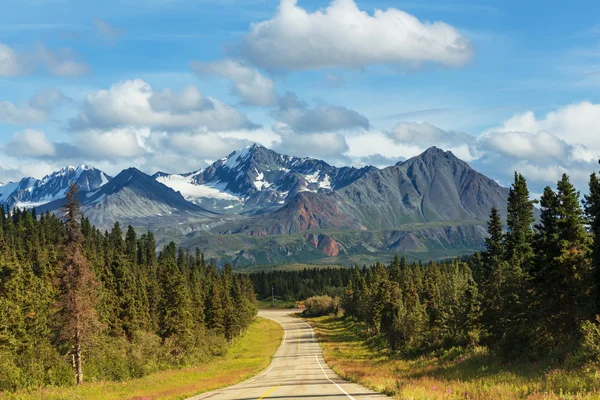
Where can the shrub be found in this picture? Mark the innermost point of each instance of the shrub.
(320, 305)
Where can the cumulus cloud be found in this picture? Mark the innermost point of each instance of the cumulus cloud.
(342, 35)
(525, 146)
(126, 142)
(135, 103)
(575, 124)
(253, 88)
(62, 62)
(330, 146)
(321, 118)
(30, 143)
(37, 109)
(248, 83)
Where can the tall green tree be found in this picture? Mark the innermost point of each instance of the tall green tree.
(592, 212)
(520, 220)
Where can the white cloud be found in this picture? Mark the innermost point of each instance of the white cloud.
(30, 143)
(135, 103)
(37, 109)
(549, 174)
(342, 35)
(204, 145)
(61, 63)
(576, 124)
(20, 115)
(248, 83)
(330, 146)
(321, 118)
(9, 62)
(126, 142)
(424, 134)
(522, 145)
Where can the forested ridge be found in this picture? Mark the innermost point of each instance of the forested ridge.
(534, 292)
(80, 304)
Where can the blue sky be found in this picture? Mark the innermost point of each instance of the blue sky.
(504, 84)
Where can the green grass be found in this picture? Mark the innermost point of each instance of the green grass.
(251, 354)
(456, 374)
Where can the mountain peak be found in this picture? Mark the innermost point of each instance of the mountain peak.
(435, 150)
(434, 155)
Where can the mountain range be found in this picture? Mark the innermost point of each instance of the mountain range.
(256, 206)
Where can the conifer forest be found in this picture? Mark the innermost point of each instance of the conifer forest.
(78, 304)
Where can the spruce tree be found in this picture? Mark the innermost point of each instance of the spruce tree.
(175, 317)
(520, 220)
(592, 212)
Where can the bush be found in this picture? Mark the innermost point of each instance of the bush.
(321, 305)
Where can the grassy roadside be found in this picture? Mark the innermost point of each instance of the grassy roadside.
(456, 374)
(248, 356)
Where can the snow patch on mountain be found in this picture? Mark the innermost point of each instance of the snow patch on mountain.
(189, 190)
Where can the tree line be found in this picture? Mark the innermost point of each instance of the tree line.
(79, 303)
(300, 284)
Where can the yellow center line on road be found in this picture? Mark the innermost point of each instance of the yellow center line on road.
(268, 393)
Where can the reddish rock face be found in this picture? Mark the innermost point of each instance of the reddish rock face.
(325, 243)
(329, 246)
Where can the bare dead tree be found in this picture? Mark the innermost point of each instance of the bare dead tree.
(79, 292)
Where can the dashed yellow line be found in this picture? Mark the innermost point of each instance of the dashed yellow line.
(268, 393)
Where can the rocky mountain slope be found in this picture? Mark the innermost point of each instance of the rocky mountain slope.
(30, 192)
(135, 198)
(435, 186)
(258, 206)
(256, 178)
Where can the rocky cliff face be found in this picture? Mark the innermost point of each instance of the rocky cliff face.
(329, 246)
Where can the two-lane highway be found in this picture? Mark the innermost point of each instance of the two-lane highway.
(298, 371)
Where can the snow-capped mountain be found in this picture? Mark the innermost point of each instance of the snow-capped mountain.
(256, 177)
(133, 197)
(31, 192)
(240, 207)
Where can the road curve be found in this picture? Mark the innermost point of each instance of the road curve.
(298, 371)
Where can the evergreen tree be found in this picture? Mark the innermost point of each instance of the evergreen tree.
(592, 212)
(175, 317)
(520, 220)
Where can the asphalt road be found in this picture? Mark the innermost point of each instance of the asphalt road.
(298, 371)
